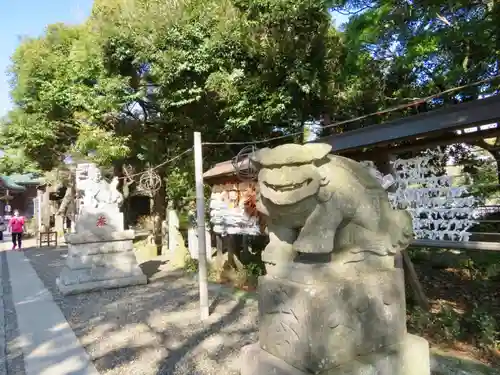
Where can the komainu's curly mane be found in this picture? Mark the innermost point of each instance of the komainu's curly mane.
(250, 206)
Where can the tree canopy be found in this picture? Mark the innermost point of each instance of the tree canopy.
(132, 83)
(423, 48)
(138, 77)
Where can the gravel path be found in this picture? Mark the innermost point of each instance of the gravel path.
(153, 329)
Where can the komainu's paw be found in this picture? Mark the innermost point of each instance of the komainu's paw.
(304, 247)
(315, 245)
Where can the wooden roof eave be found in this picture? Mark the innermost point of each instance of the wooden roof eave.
(7, 184)
(459, 116)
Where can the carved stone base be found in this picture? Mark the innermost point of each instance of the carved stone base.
(98, 261)
(316, 326)
(411, 357)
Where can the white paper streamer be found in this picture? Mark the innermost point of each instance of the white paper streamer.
(440, 210)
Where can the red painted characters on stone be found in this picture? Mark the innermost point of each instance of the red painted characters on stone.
(101, 221)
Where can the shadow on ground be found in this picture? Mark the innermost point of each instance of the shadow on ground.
(153, 329)
(446, 364)
(463, 301)
(152, 267)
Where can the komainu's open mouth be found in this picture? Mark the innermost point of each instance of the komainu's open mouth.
(289, 187)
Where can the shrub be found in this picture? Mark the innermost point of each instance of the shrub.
(482, 326)
(190, 265)
(448, 325)
(146, 223)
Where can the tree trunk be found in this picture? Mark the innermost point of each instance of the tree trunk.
(496, 155)
(494, 150)
(123, 189)
(325, 123)
(67, 209)
(159, 206)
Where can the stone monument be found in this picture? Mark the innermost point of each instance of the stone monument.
(100, 252)
(332, 302)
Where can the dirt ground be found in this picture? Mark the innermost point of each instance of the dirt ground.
(465, 296)
(155, 329)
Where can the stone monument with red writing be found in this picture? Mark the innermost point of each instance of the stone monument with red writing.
(100, 252)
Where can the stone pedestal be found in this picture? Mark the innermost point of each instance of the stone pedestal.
(411, 357)
(333, 324)
(100, 259)
(100, 253)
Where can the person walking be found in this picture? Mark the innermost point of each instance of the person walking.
(16, 228)
(3, 227)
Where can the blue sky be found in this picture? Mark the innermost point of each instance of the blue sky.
(29, 18)
(20, 18)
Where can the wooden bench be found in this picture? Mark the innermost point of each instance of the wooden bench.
(47, 238)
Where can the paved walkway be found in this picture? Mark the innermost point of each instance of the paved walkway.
(35, 338)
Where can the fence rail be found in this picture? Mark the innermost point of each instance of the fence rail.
(458, 245)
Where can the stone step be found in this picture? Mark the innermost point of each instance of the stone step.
(96, 274)
(93, 248)
(122, 259)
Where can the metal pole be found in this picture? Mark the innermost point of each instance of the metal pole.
(200, 220)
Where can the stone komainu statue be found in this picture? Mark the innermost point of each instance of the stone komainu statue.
(332, 302)
(318, 203)
(99, 193)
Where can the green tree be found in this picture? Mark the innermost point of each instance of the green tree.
(417, 49)
(56, 101)
(429, 46)
(421, 48)
(14, 161)
(133, 82)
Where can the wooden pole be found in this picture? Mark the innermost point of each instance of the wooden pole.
(412, 277)
(200, 220)
(402, 260)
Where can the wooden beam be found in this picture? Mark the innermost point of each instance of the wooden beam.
(445, 140)
(466, 245)
(412, 277)
(421, 144)
(459, 116)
